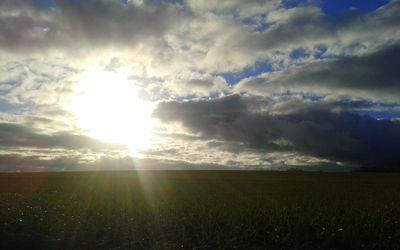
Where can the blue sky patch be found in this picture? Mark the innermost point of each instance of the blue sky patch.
(299, 53)
(257, 69)
(339, 7)
(288, 4)
(258, 26)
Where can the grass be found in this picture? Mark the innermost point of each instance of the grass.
(199, 210)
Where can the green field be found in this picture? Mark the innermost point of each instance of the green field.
(199, 210)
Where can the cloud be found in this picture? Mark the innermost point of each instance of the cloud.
(171, 39)
(21, 163)
(15, 136)
(19, 26)
(82, 24)
(216, 36)
(342, 137)
(196, 84)
(16, 162)
(372, 30)
(230, 7)
(305, 27)
(373, 76)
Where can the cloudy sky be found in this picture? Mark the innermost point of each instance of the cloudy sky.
(122, 84)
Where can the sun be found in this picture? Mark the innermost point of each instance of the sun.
(107, 106)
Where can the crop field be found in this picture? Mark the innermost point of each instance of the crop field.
(199, 210)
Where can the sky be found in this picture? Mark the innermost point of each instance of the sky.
(194, 84)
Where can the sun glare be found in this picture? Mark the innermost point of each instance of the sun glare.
(107, 106)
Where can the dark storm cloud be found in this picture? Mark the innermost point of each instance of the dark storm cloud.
(336, 136)
(298, 102)
(15, 136)
(373, 74)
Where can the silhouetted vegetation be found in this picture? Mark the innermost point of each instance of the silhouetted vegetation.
(199, 210)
